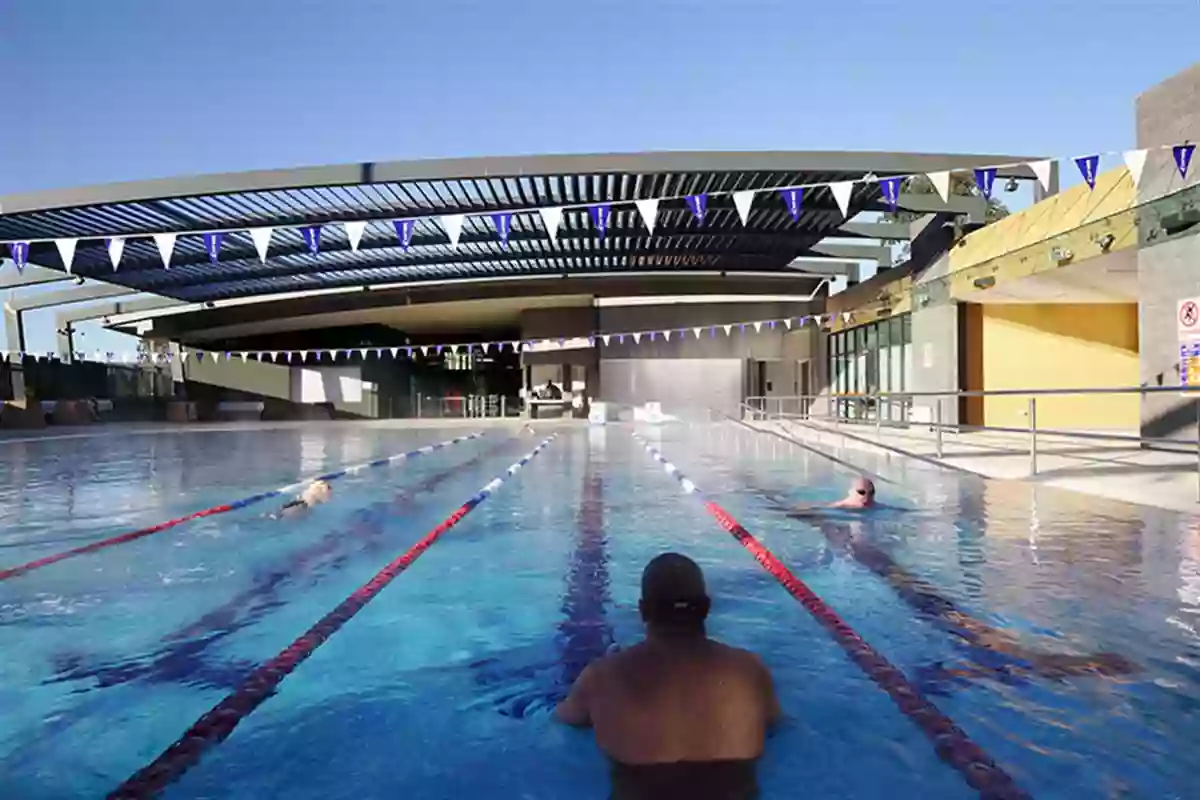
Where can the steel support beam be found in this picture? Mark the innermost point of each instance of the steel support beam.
(974, 207)
(66, 319)
(33, 275)
(858, 252)
(63, 297)
(897, 231)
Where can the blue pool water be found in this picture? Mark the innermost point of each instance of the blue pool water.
(442, 686)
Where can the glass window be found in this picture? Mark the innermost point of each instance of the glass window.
(896, 353)
(906, 371)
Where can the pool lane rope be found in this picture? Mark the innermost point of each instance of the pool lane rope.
(122, 538)
(951, 743)
(219, 722)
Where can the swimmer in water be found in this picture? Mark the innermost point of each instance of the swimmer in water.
(678, 714)
(859, 497)
(315, 494)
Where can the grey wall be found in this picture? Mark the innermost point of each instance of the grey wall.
(1167, 114)
(683, 372)
(684, 386)
(232, 379)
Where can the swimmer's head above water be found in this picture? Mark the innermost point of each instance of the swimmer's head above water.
(674, 598)
(317, 492)
(860, 495)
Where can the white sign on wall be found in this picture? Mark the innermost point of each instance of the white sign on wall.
(1187, 319)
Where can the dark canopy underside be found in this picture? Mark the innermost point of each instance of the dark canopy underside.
(381, 193)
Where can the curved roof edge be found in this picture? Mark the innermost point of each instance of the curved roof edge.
(508, 166)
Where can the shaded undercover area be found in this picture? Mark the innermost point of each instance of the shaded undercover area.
(373, 289)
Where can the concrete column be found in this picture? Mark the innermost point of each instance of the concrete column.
(1167, 114)
(65, 340)
(14, 328)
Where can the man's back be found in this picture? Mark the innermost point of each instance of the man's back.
(696, 700)
(678, 715)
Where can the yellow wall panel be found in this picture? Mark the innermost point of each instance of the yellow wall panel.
(1058, 346)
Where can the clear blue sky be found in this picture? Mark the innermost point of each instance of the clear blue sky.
(127, 89)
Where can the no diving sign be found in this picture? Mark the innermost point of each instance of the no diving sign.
(1188, 319)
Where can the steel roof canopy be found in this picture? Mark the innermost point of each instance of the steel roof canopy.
(381, 192)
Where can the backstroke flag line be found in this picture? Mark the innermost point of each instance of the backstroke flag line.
(1135, 162)
(792, 199)
(552, 219)
(600, 214)
(453, 225)
(166, 246)
(649, 211)
(354, 233)
(941, 184)
(841, 193)
(742, 202)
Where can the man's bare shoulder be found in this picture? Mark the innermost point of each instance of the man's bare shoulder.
(737, 656)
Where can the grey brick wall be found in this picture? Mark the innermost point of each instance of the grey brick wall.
(1167, 114)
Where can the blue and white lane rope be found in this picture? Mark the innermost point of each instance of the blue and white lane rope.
(951, 743)
(129, 536)
(354, 470)
(216, 725)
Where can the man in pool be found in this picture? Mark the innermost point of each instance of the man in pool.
(314, 494)
(859, 497)
(679, 715)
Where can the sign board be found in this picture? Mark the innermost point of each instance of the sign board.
(1189, 365)
(1187, 319)
(1187, 323)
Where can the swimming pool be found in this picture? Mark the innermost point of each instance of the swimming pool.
(442, 685)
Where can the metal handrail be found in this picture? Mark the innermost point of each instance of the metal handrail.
(987, 393)
(758, 406)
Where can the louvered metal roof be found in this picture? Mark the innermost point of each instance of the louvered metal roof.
(380, 193)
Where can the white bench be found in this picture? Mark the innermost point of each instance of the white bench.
(534, 404)
(240, 409)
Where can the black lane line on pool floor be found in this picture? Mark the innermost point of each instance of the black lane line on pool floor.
(951, 743)
(181, 659)
(585, 633)
(1012, 661)
(219, 722)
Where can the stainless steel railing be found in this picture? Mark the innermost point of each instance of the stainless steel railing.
(895, 410)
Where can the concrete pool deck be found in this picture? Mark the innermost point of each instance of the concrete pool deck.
(1117, 470)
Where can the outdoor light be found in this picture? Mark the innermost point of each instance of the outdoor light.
(1185, 219)
(1106, 241)
(210, 304)
(79, 281)
(1011, 185)
(1061, 255)
(985, 282)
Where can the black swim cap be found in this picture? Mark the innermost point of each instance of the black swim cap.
(673, 589)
